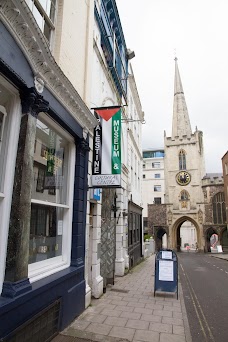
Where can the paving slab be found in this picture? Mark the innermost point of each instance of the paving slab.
(122, 333)
(129, 312)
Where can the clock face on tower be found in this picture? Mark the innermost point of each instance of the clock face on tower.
(183, 178)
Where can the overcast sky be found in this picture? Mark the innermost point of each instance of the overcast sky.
(198, 31)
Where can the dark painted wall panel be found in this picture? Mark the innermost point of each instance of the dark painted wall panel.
(13, 56)
(44, 292)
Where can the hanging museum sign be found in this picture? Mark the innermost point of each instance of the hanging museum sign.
(106, 167)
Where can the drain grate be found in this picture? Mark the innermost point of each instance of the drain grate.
(120, 290)
(40, 328)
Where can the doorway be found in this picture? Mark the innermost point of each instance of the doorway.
(224, 241)
(186, 237)
(161, 239)
(209, 242)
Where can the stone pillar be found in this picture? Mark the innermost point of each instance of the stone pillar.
(16, 275)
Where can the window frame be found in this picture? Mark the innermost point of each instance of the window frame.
(156, 165)
(46, 20)
(41, 269)
(218, 208)
(157, 199)
(14, 113)
(182, 160)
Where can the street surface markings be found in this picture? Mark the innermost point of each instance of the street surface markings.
(198, 310)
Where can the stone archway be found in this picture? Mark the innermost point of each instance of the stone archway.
(175, 232)
(209, 232)
(224, 240)
(159, 233)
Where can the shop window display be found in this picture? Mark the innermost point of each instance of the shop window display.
(50, 195)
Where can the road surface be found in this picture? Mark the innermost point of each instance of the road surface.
(204, 281)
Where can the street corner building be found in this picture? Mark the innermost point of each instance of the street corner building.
(44, 146)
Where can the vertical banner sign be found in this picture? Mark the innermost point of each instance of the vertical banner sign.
(116, 143)
(106, 168)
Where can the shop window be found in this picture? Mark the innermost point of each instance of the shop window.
(182, 160)
(52, 197)
(9, 132)
(130, 230)
(44, 12)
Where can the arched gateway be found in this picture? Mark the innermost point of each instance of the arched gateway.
(176, 234)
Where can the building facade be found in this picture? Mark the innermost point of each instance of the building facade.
(225, 178)
(113, 84)
(153, 186)
(45, 127)
(132, 223)
(215, 221)
(193, 199)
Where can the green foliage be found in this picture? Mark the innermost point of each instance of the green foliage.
(147, 236)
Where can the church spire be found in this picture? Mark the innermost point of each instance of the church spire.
(181, 123)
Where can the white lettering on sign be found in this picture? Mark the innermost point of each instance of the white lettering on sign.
(106, 180)
(116, 141)
(96, 150)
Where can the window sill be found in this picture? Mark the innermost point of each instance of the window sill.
(53, 266)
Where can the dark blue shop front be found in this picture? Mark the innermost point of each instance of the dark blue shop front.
(43, 192)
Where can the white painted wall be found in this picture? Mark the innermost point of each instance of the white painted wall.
(149, 181)
(73, 43)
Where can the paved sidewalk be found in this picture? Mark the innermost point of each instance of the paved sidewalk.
(220, 256)
(128, 311)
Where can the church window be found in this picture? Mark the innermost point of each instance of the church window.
(218, 205)
(184, 195)
(182, 160)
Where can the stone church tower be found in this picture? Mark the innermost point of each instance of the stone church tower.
(184, 169)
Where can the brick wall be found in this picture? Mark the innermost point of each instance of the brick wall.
(157, 215)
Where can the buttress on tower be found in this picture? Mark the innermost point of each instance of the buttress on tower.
(184, 169)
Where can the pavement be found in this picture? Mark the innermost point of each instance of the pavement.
(129, 312)
(219, 256)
